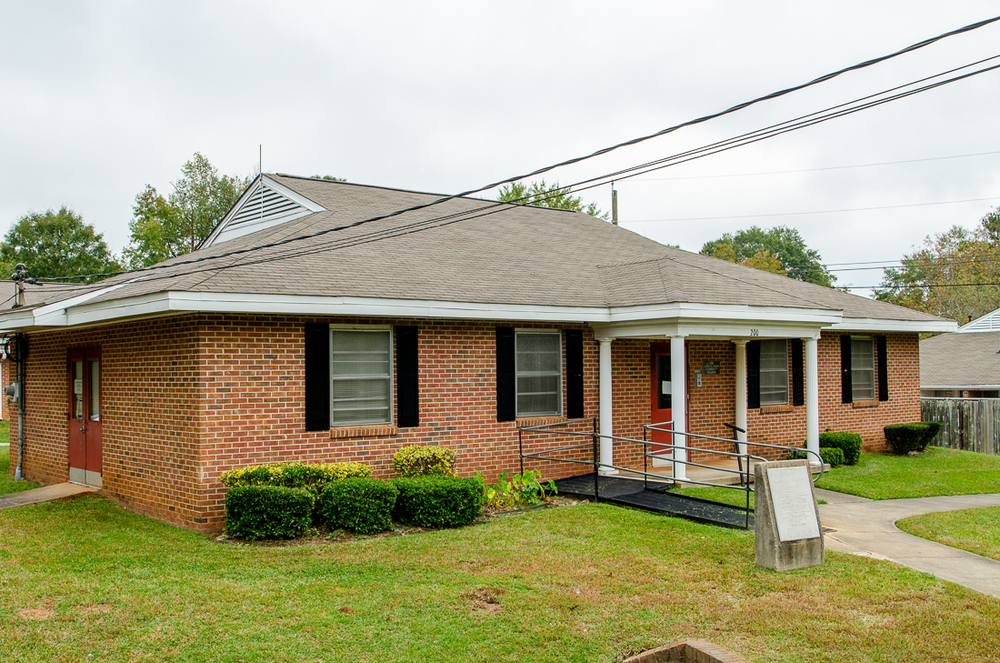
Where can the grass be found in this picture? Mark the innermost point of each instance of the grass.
(83, 579)
(932, 473)
(729, 496)
(7, 484)
(975, 530)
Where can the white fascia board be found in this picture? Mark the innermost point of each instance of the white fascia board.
(969, 387)
(726, 312)
(733, 329)
(308, 305)
(875, 324)
(17, 321)
(711, 320)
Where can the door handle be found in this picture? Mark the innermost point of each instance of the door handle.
(81, 429)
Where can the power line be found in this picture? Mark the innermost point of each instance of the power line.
(578, 159)
(812, 170)
(830, 211)
(922, 285)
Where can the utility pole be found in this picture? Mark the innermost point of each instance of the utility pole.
(614, 204)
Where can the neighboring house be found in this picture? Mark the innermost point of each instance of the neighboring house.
(312, 327)
(963, 364)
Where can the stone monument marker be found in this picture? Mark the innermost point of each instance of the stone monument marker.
(787, 531)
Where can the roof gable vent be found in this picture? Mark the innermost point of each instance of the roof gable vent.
(987, 323)
(266, 203)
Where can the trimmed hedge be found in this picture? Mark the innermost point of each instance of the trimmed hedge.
(904, 438)
(361, 505)
(311, 477)
(421, 461)
(268, 512)
(848, 442)
(438, 501)
(832, 456)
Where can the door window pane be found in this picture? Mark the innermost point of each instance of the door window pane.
(361, 368)
(78, 390)
(664, 389)
(774, 372)
(538, 363)
(95, 391)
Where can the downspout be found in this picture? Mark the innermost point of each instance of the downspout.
(18, 474)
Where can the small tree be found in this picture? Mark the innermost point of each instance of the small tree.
(540, 194)
(56, 244)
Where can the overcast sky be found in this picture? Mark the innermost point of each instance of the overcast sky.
(97, 99)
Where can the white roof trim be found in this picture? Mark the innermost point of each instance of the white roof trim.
(970, 387)
(875, 324)
(717, 320)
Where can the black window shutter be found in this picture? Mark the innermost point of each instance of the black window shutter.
(883, 368)
(846, 390)
(317, 341)
(574, 373)
(798, 393)
(506, 397)
(753, 374)
(407, 379)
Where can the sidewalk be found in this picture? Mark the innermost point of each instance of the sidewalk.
(868, 527)
(44, 494)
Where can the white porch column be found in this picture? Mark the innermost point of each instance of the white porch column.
(605, 413)
(678, 387)
(812, 395)
(741, 391)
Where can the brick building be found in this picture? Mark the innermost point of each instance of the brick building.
(326, 321)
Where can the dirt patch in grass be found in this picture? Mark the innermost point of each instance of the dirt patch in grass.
(485, 600)
(96, 608)
(36, 614)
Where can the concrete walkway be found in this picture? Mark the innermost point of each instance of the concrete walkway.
(44, 494)
(868, 527)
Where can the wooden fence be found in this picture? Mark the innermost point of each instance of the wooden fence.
(972, 424)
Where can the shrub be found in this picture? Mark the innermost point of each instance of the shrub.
(419, 461)
(849, 443)
(268, 512)
(311, 477)
(904, 438)
(361, 505)
(437, 501)
(832, 456)
(520, 490)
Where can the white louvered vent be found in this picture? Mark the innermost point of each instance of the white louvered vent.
(987, 323)
(261, 208)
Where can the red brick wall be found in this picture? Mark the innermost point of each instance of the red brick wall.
(186, 398)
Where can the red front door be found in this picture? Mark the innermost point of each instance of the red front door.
(84, 376)
(661, 396)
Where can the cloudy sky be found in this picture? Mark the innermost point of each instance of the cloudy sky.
(100, 98)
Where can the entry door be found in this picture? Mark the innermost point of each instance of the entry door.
(661, 396)
(85, 417)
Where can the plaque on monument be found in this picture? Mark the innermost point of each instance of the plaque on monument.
(794, 509)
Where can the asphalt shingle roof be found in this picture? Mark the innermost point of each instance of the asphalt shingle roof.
(968, 359)
(475, 251)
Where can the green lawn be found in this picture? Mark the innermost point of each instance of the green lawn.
(934, 472)
(975, 530)
(84, 580)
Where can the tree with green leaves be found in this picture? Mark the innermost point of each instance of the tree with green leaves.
(541, 194)
(954, 274)
(780, 250)
(163, 228)
(56, 244)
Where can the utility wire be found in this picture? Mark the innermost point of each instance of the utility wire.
(574, 160)
(813, 170)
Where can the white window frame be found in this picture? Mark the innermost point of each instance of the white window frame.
(518, 374)
(869, 369)
(781, 400)
(391, 377)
